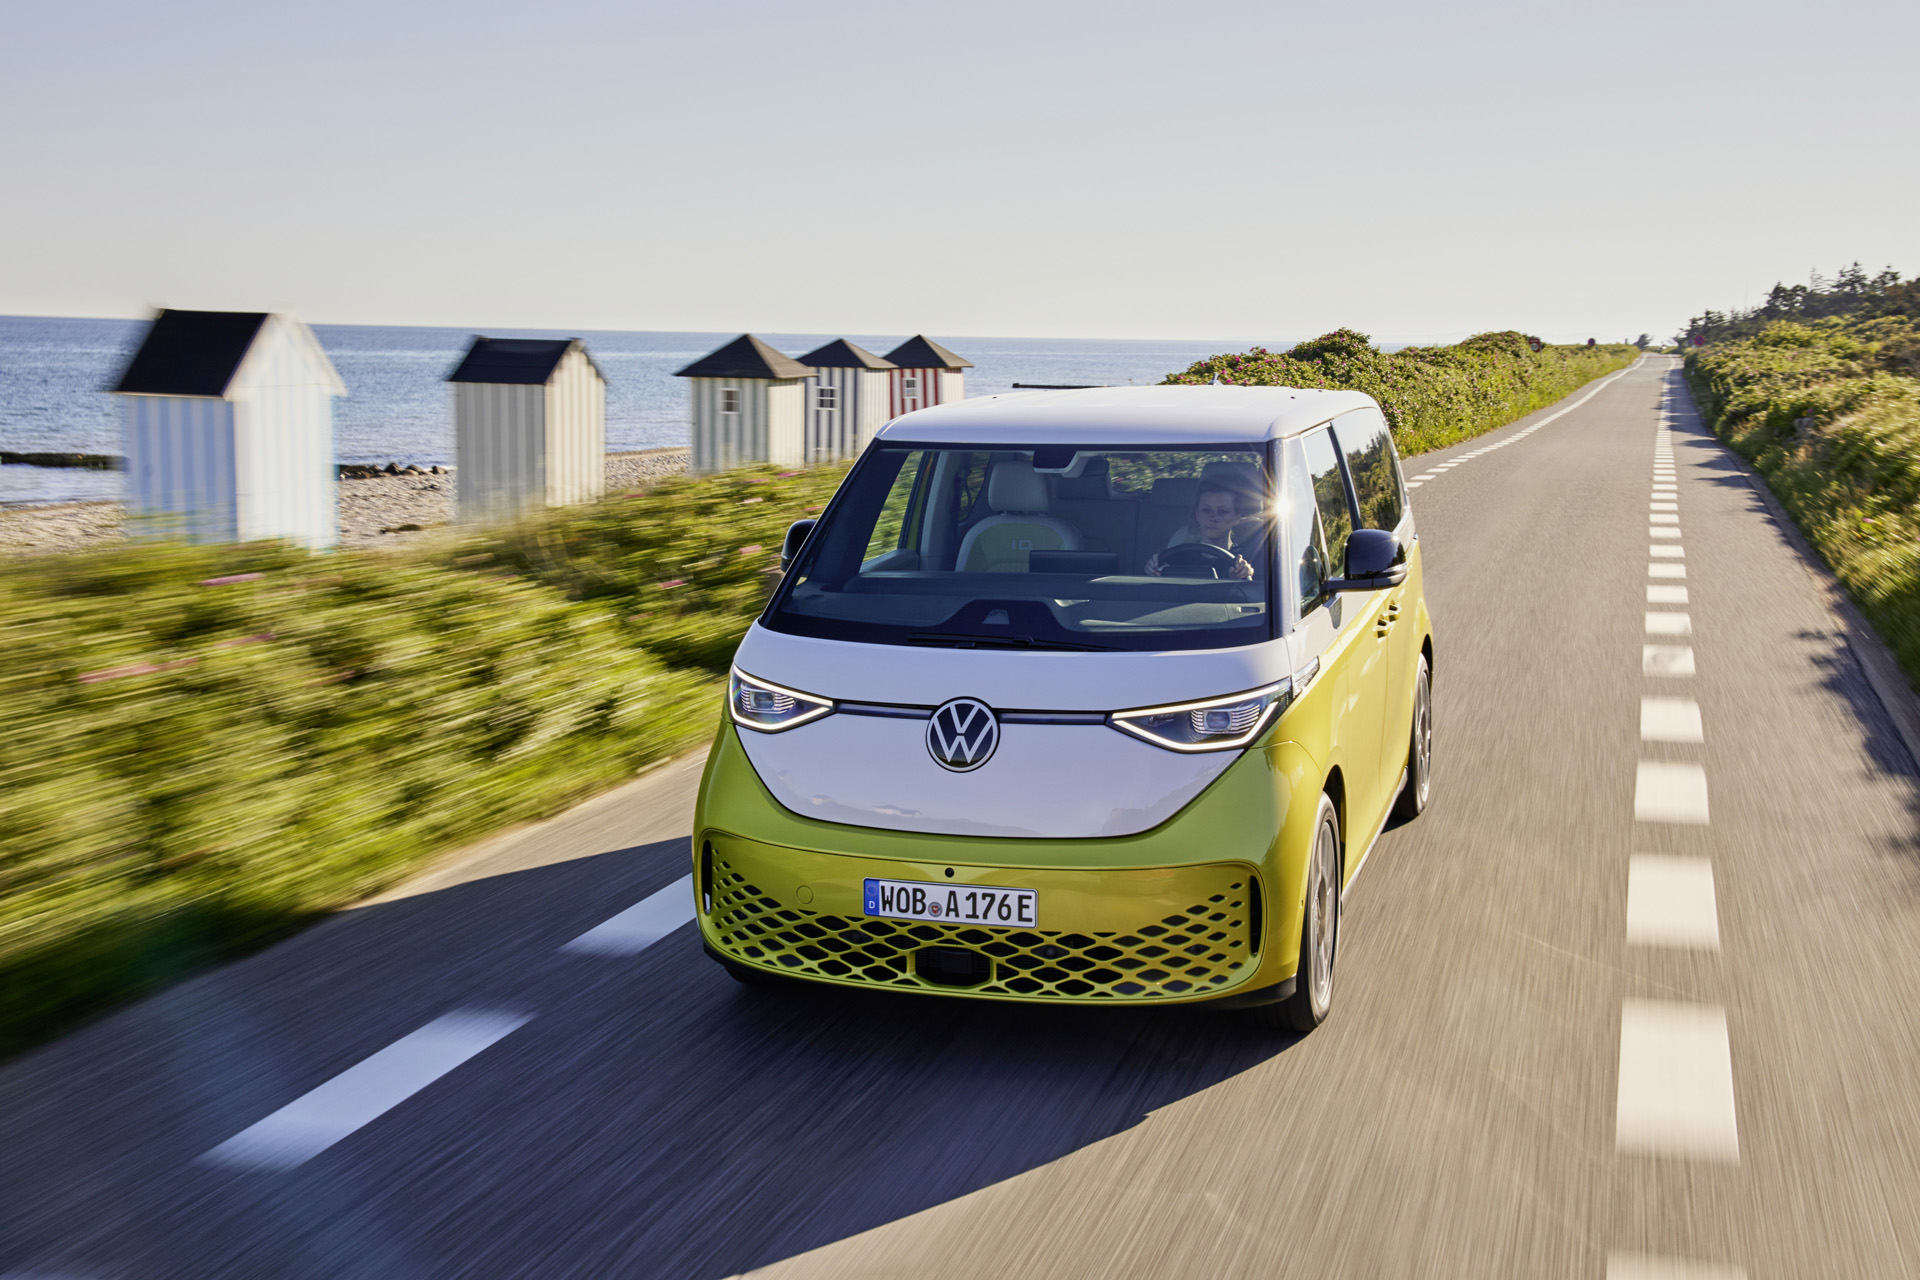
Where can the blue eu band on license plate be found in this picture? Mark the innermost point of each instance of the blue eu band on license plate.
(953, 903)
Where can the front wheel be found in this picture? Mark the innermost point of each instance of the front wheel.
(1312, 994)
(1413, 797)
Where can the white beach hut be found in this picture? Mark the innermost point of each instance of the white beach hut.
(529, 426)
(227, 425)
(747, 406)
(847, 394)
(925, 374)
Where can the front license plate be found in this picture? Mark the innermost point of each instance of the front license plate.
(953, 903)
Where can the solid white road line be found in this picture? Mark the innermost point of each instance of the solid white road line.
(362, 1093)
(1670, 720)
(1657, 594)
(1676, 1082)
(1667, 570)
(1645, 1266)
(1669, 624)
(640, 925)
(1669, 791)
(1666, 660)
(1670, 903)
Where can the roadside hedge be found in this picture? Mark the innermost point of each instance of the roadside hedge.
(209, 746)
(1829, 413)
(1432, 396)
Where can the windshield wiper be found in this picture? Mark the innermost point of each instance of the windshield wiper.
(962, 640)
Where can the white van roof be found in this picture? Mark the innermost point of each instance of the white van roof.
(1162, 415)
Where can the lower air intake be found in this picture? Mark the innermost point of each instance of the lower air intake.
(1205, 947)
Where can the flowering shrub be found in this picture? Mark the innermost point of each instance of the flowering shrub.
(1432, 396)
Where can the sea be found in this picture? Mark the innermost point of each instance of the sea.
(54, 371)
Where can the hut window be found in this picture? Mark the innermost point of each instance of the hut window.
(909, 386)
(826, 399)
(729, 400)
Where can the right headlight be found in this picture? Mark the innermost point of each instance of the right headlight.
(770, 708)
(1216, 724)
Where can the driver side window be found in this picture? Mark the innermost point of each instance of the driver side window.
(1330, 496)
(1305, 542)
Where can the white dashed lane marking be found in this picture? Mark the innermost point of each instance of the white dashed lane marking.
(640, 925)
(1670, 720)
(1676, 1082)
(1657, 594)
(1670, 903)
(362, 1093)
(1670, 791)
(1667, 551)
(1647, 1266)
(1669, 624)
(1667, 570)
(1659, 531)
(1674, 660)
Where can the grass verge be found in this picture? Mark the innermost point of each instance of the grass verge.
(1829, 414)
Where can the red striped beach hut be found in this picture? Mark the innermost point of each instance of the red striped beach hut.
(925, 374)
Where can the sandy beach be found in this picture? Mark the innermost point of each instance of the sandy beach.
(382, 511)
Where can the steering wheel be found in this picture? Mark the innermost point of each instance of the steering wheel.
(1198, 560)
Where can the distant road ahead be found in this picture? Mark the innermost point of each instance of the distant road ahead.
(1636, 991)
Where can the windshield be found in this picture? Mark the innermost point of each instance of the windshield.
(1065, 547)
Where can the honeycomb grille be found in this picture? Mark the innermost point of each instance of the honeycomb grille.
(1202, 948)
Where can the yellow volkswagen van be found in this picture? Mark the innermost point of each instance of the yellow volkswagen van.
(1092, 696)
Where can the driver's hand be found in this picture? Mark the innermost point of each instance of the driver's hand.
(1241, 569)
(1155, 568)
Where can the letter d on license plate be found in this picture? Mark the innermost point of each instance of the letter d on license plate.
(954, 903)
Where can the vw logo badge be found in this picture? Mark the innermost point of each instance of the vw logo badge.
(962, 734)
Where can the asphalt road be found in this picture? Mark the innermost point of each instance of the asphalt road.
(1633, 994)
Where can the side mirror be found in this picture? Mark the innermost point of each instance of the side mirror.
(797, 533)
(1375, 559)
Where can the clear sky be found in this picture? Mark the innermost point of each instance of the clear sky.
(1112, 169)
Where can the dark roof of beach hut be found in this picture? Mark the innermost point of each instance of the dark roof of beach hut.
(841, 354)
(921, 352)
(745, 357)
(517, 361)
(190, 353)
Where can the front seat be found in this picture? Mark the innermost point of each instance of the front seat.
(1020, 523)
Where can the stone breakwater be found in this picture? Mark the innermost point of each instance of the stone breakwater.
(375, 511)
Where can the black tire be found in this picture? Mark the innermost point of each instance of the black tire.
(1413, 797)
(1312, 996)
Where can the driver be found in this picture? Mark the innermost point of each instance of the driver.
(1215, 512)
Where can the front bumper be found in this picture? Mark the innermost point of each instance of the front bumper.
(1205, 905)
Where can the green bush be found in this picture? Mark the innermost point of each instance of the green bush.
(1432, 396)
(1827, 413)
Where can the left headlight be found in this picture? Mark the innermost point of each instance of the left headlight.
(769, 707)
(1217, 724)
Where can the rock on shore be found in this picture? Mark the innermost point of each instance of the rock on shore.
(378, 511)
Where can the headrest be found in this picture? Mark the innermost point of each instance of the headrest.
(1013, 485)
(1242, 480)
(1175, 491)
(1092, 483)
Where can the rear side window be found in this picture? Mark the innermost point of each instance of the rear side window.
(1330, 495)
(1364, 438)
